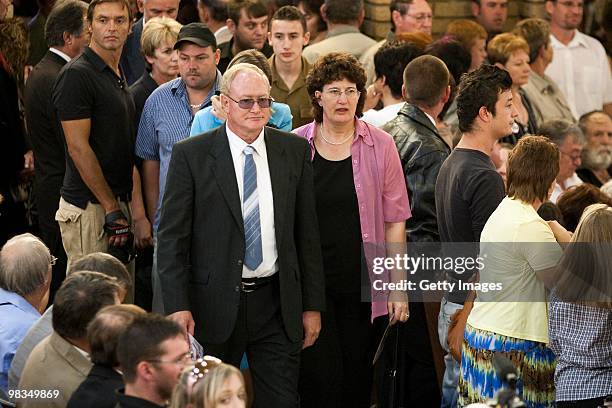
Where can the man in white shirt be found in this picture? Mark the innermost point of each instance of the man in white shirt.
(579, 66)
(569, 139)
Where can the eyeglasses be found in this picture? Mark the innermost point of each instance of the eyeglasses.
(421, 17)
(263, 103)
(351, 93)
(573, 157)
(182, 359)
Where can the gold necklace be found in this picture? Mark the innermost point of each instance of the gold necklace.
(335, 143)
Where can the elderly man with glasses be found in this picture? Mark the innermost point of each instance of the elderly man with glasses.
(570, 140)
(25, 278)
(238, 252)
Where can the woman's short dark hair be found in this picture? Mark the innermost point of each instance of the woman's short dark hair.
(533, 165)
(573, 202)
(478, 88)
(332, 67)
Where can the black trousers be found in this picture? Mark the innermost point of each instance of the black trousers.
(337, 370)
(589, 403)
(405, 373)
(273, 358)
(47, 202)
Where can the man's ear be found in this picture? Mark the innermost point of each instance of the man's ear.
(484, 114)
(140, 5)
(306, 38)
(475, 8)
(361, 16)
(549, 7)
(217, 56)
(396, 17)
(231, 25)
(498, 65)
(447, 94)
(404, 94)
(323, 11)
(269, 38)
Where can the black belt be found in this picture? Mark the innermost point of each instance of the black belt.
(252, 284)
(126, 198)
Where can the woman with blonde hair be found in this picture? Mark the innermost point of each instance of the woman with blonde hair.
(209, 383)
(580, 314)
(511, 52)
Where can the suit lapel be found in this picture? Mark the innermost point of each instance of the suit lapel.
(225, 174)
(277, 163)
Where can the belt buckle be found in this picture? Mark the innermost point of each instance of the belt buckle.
(246, 285)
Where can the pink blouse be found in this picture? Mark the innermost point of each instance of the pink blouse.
(380, 187)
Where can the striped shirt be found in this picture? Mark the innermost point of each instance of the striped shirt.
(166, 119)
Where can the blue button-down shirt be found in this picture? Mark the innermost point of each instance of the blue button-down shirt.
(166, 119)
(16, 318)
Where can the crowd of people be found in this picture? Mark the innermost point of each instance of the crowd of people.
(193, 197)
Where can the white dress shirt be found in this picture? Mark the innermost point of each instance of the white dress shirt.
(379, 117)
(574, 180)
(266, 203)
(582, 71)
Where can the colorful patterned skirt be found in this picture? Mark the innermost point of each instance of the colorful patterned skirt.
(534, 362)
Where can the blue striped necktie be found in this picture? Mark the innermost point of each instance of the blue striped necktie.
(252, 227)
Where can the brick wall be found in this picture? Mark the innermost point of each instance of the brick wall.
(377, 14)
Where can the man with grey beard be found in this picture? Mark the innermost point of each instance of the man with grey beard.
(597, 153)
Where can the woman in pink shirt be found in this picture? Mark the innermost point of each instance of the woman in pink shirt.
(362, 205)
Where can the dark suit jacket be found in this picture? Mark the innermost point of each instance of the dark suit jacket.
(132, 61)
(201, 234)
(45, 136)
(98, 389)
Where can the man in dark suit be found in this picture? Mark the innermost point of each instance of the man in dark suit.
(239, 254)
(67, 37)
(132, 60)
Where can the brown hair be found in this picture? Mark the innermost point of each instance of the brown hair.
(584, 271)
(252, 8)
(331, 67)
(14, 46)
(426, 79)
(420, 39)
(94, 3)
(502, 46)
(104, 330)
(466, 32)
(533, 164)
(289, 13)
(573, 202)
(536, 32)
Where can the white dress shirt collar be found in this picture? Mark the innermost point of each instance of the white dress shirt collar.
(61, 54)
(237, 143)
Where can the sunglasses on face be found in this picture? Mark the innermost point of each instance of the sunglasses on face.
(263, 103)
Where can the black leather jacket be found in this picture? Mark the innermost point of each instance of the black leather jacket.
(422, 152)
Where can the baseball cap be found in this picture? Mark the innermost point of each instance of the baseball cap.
(196, 33)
